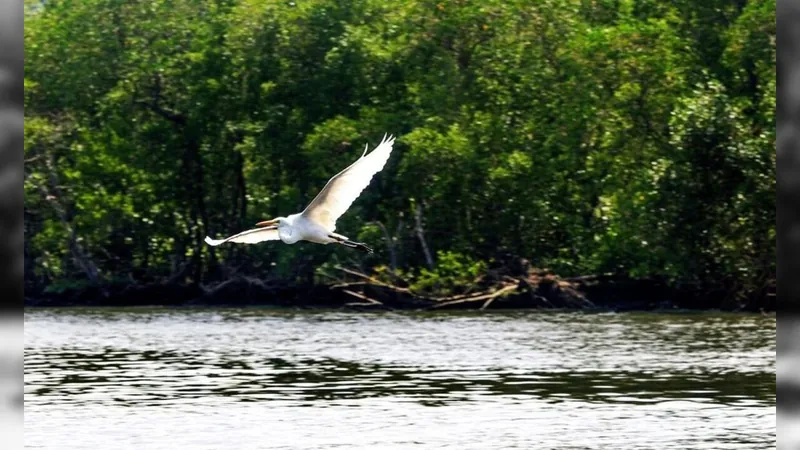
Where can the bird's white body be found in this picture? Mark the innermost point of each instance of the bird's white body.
(296, 228)
(317, 222)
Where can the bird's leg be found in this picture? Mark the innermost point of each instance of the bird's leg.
(359, 245)
(348, 243)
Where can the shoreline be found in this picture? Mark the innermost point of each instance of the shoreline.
(536, 291)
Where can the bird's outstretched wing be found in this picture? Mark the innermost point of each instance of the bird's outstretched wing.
(345, 187)
(248, 237)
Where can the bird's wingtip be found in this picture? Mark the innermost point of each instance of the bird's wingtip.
(387, 139)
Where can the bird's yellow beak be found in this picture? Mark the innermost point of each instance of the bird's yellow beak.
(266, 223)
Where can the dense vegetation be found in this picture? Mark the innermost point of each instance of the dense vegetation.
(588, 136)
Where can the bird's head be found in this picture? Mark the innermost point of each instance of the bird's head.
(275, 223)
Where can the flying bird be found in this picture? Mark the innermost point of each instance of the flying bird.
(317, 222)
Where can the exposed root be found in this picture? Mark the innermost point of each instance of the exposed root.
(535, 290)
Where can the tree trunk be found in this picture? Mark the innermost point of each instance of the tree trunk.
(390, 245)
(195, 179)
(241, 189)
(82, 260)
(421, 236)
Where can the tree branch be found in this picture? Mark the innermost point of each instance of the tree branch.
(172, 116)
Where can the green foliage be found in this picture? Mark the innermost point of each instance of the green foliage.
(454, 273)
(63, 285)
(585, 136)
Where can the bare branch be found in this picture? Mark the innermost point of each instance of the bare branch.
(489, 298)
(362, 297)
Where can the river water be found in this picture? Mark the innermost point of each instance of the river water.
(266, 379)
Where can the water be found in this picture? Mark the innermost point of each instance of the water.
(260, 379)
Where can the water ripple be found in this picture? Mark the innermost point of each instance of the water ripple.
(558, 373)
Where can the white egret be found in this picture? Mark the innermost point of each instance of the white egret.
(317, 222)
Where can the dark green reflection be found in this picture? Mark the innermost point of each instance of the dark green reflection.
(134, 377)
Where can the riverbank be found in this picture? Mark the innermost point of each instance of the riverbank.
(537, 290)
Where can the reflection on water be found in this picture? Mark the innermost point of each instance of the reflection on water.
(122, 379)
(152, 376)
